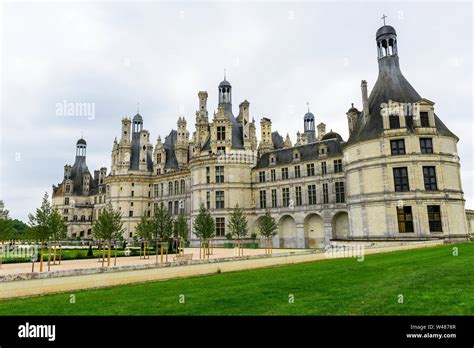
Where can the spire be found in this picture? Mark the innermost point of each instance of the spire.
(307, 103)
(224, 74)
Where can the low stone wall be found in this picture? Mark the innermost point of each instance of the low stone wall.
(31, 284)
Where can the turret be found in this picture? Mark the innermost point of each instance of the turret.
(321, 130)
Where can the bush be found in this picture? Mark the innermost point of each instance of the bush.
(90, 253)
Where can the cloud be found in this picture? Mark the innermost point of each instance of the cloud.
(278, 56)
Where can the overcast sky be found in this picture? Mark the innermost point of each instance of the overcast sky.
(278, 56)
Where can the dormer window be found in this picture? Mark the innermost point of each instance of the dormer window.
(394, 121)
(220, 133)
(424, 119)
(272, 160)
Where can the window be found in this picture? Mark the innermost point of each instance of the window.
(409, 121)
(133, 193)
(176, 207)
(183, 186)
(162, 187)
(170, 188)
(263, 199)
(429, 177)
(324, 169)
(158, 158)
(66, 201)
(299, 201)
(274, 198)
(81, 234)
(297, 172)
(95, 199)
(208, 175)
(325, 194)
(219, 199)
(338, 166)
(405, 219)
(434, 218)
(221, 150)
(424, 120)
(130, 213)
(272, 175)
(284, 173)
(170, 207)
(311, 194)
(340, 197)
(286, 196)
(394, 121)
(220, 227)
(66, 211)
(100, 199)
(65, 218)
(156, 190)
(131, 204)
(310, 169)
(68, 188)
(219, 174)
(261, 176)
(400, 178)
(426, 145)
(397, 147)
(208, 200)
(155, 208)
(220, 133)
(83, 218)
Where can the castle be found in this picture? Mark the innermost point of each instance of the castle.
(397, 177)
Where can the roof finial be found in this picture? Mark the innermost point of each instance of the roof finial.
(307, 103)
(224, 73)
(352, 105)
(82, 134)
(138, 107)
(383, 18)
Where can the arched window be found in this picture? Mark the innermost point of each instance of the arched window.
(176, 187)
(183, 186)
(170, 188)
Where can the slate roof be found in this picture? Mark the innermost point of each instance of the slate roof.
(78, 170)
(390, 85)
(307, 152)
(169, 146)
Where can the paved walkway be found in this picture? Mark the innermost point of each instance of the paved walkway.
(218, 253)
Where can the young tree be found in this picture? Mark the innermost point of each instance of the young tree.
(109, 226)
(237, 226)
(145, 230)
(163, 226)
(40, 223)
(204, 226)
(180, 229)
(268, 228)
(58, 229)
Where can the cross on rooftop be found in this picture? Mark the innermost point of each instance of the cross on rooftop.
(383, 18)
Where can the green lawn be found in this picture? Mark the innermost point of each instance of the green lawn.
(432, 282)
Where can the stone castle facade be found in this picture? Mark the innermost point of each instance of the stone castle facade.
(397, 177)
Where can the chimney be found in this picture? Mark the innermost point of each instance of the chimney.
(321, 130)
(365, 99)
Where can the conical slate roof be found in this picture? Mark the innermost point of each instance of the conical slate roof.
(391, 85)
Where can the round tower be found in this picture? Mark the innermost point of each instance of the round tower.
(402, 179)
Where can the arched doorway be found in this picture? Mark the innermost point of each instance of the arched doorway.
(287, 232)
(340, 225)
(313, 231)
